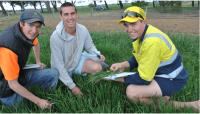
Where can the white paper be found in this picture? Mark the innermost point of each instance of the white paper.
(30, 66)
(119, 75)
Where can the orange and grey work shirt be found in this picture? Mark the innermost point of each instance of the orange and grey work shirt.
(9, 63)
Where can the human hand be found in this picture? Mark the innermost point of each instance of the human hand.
(42, 65)
(102, 58)
(117, 67)
(76, 91)
(44, 104)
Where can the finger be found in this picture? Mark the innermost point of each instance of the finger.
(50, 105)
(103, 58)
(43, 65)
(113, 69)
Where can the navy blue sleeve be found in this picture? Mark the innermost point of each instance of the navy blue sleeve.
(135, 79)
(132, 62)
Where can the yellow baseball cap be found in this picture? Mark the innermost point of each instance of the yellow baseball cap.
(133, 14)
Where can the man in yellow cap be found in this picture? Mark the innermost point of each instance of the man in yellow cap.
(160, 70)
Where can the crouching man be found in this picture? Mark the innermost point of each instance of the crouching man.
(15, 45)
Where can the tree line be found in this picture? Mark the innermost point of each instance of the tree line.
(23, 4)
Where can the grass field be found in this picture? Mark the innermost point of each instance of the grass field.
(104, 96)
(109, 97)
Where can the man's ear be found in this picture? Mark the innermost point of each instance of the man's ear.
(21, 23)
(144, 21)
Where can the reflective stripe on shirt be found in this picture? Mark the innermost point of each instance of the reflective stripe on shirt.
(157, 35)
(173, 74)
(170, 61)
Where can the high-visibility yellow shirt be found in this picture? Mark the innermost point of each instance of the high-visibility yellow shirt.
(151, 50)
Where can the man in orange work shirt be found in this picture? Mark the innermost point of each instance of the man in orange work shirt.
(15, 45)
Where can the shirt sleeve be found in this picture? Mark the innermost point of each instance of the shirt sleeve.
(35, 42)
(89, 45)
(9, 64)
(132, 62)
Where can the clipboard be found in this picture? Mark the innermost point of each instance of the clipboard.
(119, 75)
(31, 66)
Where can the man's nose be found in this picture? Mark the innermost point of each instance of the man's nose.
(128, 29)
(70, 16)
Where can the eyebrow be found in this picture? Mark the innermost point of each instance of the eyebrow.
(69, 13)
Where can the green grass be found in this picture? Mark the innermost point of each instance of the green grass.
(109, 97)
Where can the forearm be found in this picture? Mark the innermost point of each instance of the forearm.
(18, 88)
(125, 64)
(36, 50)
(66, 79)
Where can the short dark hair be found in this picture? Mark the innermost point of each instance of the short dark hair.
(67, 4)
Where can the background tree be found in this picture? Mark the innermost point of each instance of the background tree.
(22, 3)
(48, 6)
(91, 6)
(13, 6)
(95, 3)
(54, 4)
(41, 7)
(3, 10)
(73, 1)
(170, 3)
(162, 3)
(33, 3)
(154, 4)
(106, 4)
(192, 3)
(177, 4)
(121, 4)
(139, 3)
(19, 3)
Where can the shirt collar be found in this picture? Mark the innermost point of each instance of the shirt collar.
(145, 29)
